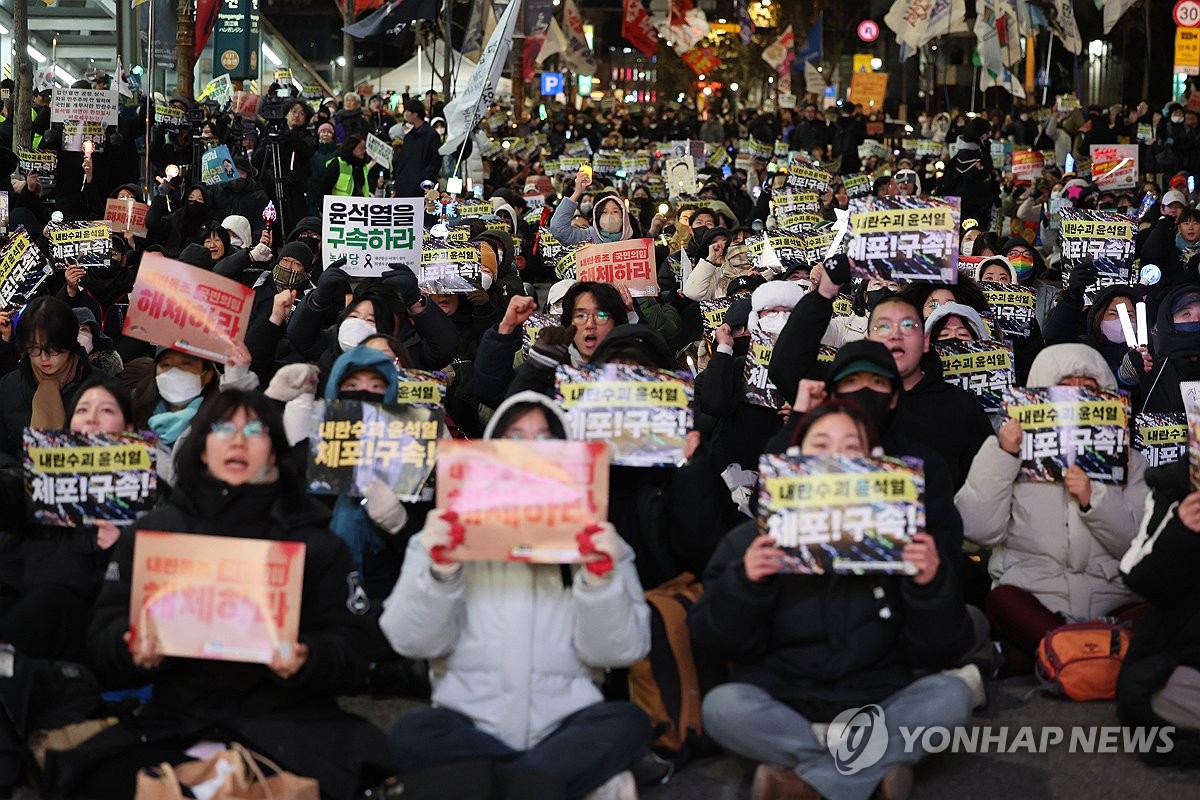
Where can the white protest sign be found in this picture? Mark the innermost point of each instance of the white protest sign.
(373, 234)
(85, 105)
(379, 151)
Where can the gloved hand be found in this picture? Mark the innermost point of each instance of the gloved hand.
(292, 380)
(260, 253)
(384, 508)
(601, 545)
(837, 267)
(332, 286)
(1134, 365)
(404, 281)
(441, 534)
(479, 297)
(553, 345)
(1080, 279)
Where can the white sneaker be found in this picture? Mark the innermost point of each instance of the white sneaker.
(619, 787)
(973, 678)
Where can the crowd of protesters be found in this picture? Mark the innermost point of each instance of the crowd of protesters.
(525, 664)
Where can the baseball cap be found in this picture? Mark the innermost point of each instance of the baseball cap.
(1174, 196)
(863, 356)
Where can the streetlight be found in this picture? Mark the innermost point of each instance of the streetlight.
(733, 87)
(876, 63)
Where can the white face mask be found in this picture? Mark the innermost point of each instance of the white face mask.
(235, 241)
(485, 279)
(1176, 118)
(178, 386)
(1112, 330)
(85, 340)
(772, 322)
(352, 331)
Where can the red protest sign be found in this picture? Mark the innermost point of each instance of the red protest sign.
(217, 597)
(628, 263)
(126, 215)
(523, 501)
(187, 308)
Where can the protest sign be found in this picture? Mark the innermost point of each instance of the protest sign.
(712, 313)
(759, 389)
(217, 597)
(637, 164)
(856, 184)
(1002, 156)
(448, 268)
(1192, 414)
(41, 162)
(581, 149)
(680, 174)
(373, 234)
(1012, 306)
(871, 148)
(83, 243)
(126, 216)
(969, 265)
(644, 414)
(84, 105)
(187, 308)
(1115, 166)
(219, 90)
(168, 116)
(283, 76)
(564, 265)
(23, 269)
(1027, 165)
(354, 443)
(838, 514)
(474, 209)
(1161, 438)
(985, 369)
(245, 104)
(533, 328)
(523, 501)
(810, 179)
(1067, 425)
(606, 163)
(1103, 239)
(76, 133)
(76, 479)
(379, 151)
(796, 202)
(717, 157)
(628, 263)
(905, 239)
(422, 387)
(776, 252)
(216, 166)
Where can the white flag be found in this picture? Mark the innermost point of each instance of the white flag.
(1063, 25)
(466, 109)
(1004, 79)
(918, 22)
(1114, 10)
(122, 84)
(578, 54)
(814, 82)
(554, 42)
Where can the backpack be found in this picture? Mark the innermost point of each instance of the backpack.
(1081, 659)
(669, 684)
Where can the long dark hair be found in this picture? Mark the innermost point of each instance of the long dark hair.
(189, 464)
(118, 390)
(837, 406)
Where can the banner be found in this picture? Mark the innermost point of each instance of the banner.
(1066, 425)
(836, 514)
(449, 269)
(523, 501)
(905, 239)
(373, 234)
(644, 414)
(187, 308)
(629, 263)
(216, 166)
(637, 27)
(43, 163)
(868, 89)
(217, 597)
(126, 216)
(1115, 166)
(84, 105)
(1102, 239)
(985, 369)
(353, 444)
(23, 269)
(1161, 438)
(759, 389)
(1027, 165)
(465, 110)
(1012, 306)
(83, 243)
(76, 479)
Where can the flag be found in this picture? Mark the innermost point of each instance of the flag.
(637, 27)
(578, 54)
(687, 33)
(1062, 23)
(812, 49)
(538, 14)
(555, 42)
(1114, 10)
(473, 38)
(679, 9)
(702, 60)
(814, 82)
(390, 19)
(779, 52)
(1003, 79)
(992, 28)
(466, 109)
(918, 22)
(742, 14)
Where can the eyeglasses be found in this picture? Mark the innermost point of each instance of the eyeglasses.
(907, 327)
(227, 430)
(37, 352)
(581, 317)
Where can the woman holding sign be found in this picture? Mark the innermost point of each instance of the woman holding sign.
(517, 648)
(806, 648)
(241, 486)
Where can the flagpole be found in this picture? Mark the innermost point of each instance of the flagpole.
(148, 93)
(1049, 51)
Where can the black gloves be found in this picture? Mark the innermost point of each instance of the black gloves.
(404, 281)
(1080, 279)
(332, 286)
(837, 267)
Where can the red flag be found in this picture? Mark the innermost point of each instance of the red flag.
(679, 9)
(637, 28)
(702, 60)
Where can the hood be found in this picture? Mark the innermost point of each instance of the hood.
(551, 408)
(697, 247)
(1039, 261)
(238, 226)
(771, 294)
(963, 312)
(626, 228)
(1060, 361)
(1172, 343)
(357, 359)
(1100, 304)
(505, 243)
(205, 190)
(305, 224)
(649, 343)
(725, 211)
(1002, 261)
(132, 187)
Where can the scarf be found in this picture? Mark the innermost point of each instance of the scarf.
(1185, 249)
(170, 425)
(352, 525)
(48, 411)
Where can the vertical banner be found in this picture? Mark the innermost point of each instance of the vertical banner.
(467, 108)
(236, 40)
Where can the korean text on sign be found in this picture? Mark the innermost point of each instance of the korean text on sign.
(374, 235)
(1065, 425)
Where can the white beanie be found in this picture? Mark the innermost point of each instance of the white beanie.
(772, 294)
(239, 227)
(1012, 273)
(963, 312)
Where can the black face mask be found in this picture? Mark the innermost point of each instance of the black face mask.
(873, 296)
(362, 395)
(741, 346)
(106, 270)
(194, 208)
(878, 405)
(239, 184)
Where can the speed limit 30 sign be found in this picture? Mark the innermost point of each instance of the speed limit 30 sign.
(1187, 13)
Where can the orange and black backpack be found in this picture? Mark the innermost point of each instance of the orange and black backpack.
(1081, 660)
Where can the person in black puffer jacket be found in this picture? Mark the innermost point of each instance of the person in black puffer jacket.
(969, 174)
(1177, 352)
